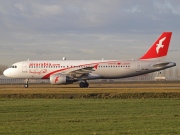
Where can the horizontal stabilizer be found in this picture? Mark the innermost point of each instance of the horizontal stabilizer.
(164, 64)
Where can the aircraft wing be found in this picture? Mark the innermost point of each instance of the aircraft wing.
(85, 70)
(79, 72)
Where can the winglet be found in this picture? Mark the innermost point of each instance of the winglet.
(159, 49)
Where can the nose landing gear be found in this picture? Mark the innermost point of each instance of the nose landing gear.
(26, 85)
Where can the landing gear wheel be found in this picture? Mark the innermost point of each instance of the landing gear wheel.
(86, 84)
(26, 86)
(83, 85)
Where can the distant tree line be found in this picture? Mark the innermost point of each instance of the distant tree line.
(2, 68)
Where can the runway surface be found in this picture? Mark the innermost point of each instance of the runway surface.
(96, 90)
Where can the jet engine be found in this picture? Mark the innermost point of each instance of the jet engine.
(60, 79)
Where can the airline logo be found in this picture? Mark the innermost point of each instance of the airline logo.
(57, 78)
(159, 48)
(38, 72)
(160, 45)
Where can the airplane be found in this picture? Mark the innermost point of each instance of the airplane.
(70, 71)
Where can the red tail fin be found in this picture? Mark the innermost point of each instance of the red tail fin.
(160, 48)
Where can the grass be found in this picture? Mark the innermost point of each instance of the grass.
(150, 108)
(89, 116)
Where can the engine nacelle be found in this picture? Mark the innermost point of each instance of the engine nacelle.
(60, 79)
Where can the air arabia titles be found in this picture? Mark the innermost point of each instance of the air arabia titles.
(45, 64)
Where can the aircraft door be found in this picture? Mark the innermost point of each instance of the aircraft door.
(24, 67)
(138, 66)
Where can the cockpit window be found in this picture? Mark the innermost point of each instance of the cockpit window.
(13, 66)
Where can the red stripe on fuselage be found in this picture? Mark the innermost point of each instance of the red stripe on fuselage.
(95, 66)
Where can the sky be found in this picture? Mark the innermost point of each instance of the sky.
(85, 29)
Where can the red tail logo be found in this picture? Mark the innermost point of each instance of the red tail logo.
(159, 48)
(160, 45)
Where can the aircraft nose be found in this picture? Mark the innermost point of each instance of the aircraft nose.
(6, 72)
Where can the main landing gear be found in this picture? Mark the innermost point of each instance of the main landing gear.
(26, 85)
(84, 84)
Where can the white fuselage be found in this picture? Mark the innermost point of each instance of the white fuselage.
(102, 69)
